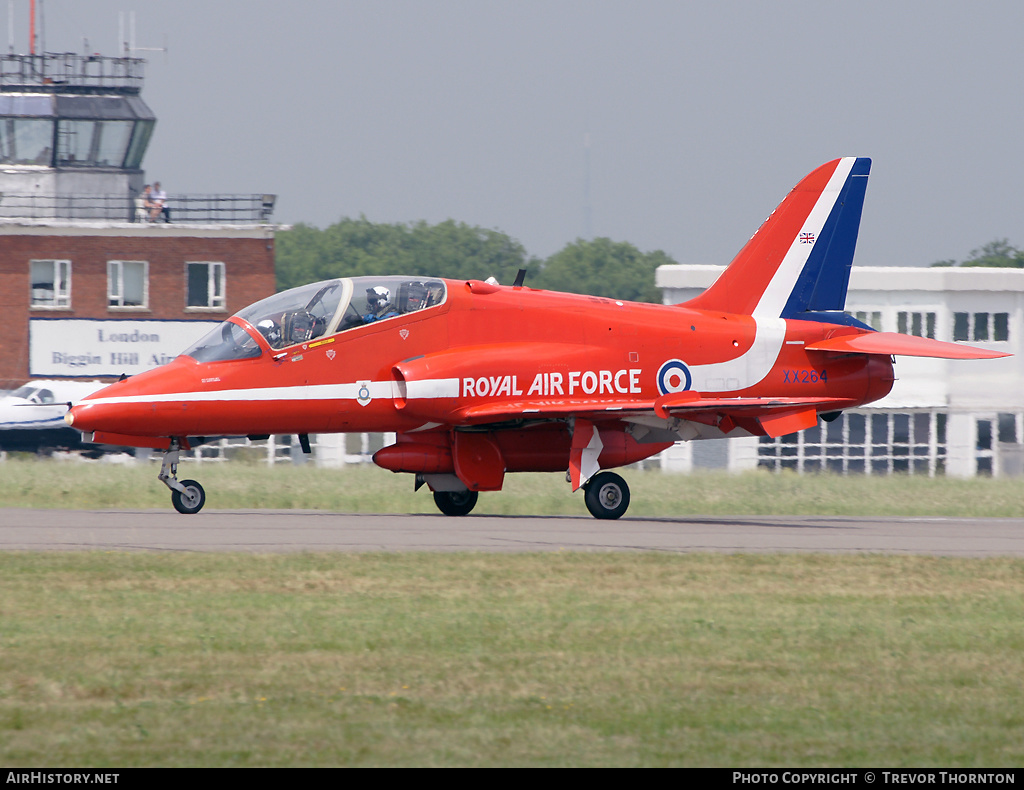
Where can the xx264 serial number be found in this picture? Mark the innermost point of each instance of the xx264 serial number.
(808, 376)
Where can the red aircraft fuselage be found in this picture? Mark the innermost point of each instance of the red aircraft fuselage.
(478, 379)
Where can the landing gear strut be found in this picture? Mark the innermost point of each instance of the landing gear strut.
(606, 495)
(187, 496)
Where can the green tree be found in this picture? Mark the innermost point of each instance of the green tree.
(603, 267)
(996, 253)
(999, 253)
(353, 247)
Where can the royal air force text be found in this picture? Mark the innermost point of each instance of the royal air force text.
(588, 382)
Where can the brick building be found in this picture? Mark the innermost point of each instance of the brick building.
(89, 287)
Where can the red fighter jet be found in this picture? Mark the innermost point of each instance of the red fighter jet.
(478, 379)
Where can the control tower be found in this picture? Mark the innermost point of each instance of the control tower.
(92, 284)
(73, 133)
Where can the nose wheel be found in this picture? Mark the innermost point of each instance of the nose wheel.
(190, 499)
(187, 496)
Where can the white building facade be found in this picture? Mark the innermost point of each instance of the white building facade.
(943, 417)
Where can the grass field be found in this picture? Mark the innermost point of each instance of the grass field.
(27, 482)
(481, 660)
(561, 659)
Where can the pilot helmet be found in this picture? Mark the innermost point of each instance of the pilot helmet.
(378, 298)
(270, 330)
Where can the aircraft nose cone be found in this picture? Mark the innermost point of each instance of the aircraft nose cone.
(69, 418)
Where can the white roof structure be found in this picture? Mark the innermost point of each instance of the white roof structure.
(982, 399)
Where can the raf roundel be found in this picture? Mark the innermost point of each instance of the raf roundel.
(673, 376)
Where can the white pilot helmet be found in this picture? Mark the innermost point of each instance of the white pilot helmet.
(378, 297)
(269, 329)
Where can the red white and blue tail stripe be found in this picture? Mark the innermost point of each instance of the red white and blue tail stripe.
(798, 263)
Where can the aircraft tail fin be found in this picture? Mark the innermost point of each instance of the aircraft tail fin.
(798, 263)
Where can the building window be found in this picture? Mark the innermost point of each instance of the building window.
(871, 443)
(917, 324)
(128, 284)
(981, 326)
(872, 318)
(51, 284)
(26, 141)
(205, 288)
(92, 143)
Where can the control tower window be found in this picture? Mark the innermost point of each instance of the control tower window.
(51, 284)
(127, 284)
(92, 143)
(205, 286)
(140, 139)
(26, 141)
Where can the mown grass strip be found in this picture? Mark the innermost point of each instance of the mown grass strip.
(366, 489)
(115, 659)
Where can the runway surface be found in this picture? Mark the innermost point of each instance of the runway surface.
(292, 530)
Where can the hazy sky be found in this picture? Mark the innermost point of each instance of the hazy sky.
(700, 115)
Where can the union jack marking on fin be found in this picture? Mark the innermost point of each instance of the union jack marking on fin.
(807, 238)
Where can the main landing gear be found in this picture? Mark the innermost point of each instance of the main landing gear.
(455, 503)
(606, 495)
(187, 496)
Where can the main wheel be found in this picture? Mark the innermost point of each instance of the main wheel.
(606, 495)
(191, 500)
(455, 503)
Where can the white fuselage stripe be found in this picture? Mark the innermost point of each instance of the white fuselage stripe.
(430, 388)
(747, 369)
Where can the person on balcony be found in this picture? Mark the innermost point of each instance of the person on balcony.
(159, 199)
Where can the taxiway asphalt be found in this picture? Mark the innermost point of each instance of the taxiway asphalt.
(296, 530)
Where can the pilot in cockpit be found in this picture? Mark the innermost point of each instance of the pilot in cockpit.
(378, 303)
(271, 330)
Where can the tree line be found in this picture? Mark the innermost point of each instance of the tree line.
(998, 253)
(455, 250)
(450, 249)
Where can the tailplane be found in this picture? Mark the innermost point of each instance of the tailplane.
(798, 263)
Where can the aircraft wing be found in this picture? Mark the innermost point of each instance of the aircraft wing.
(769, 416)
(773, 416)
(591, 409)
(895, 344)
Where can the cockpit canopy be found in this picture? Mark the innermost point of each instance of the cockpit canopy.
(33, 394)
(311, 311)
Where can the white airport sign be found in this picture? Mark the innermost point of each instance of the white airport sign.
(86, 347)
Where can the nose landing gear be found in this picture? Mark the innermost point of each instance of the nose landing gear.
(187, 496)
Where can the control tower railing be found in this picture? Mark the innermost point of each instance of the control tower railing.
(67, 72)
(185, 209)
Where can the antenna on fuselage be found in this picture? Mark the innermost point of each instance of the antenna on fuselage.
(519, 279)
